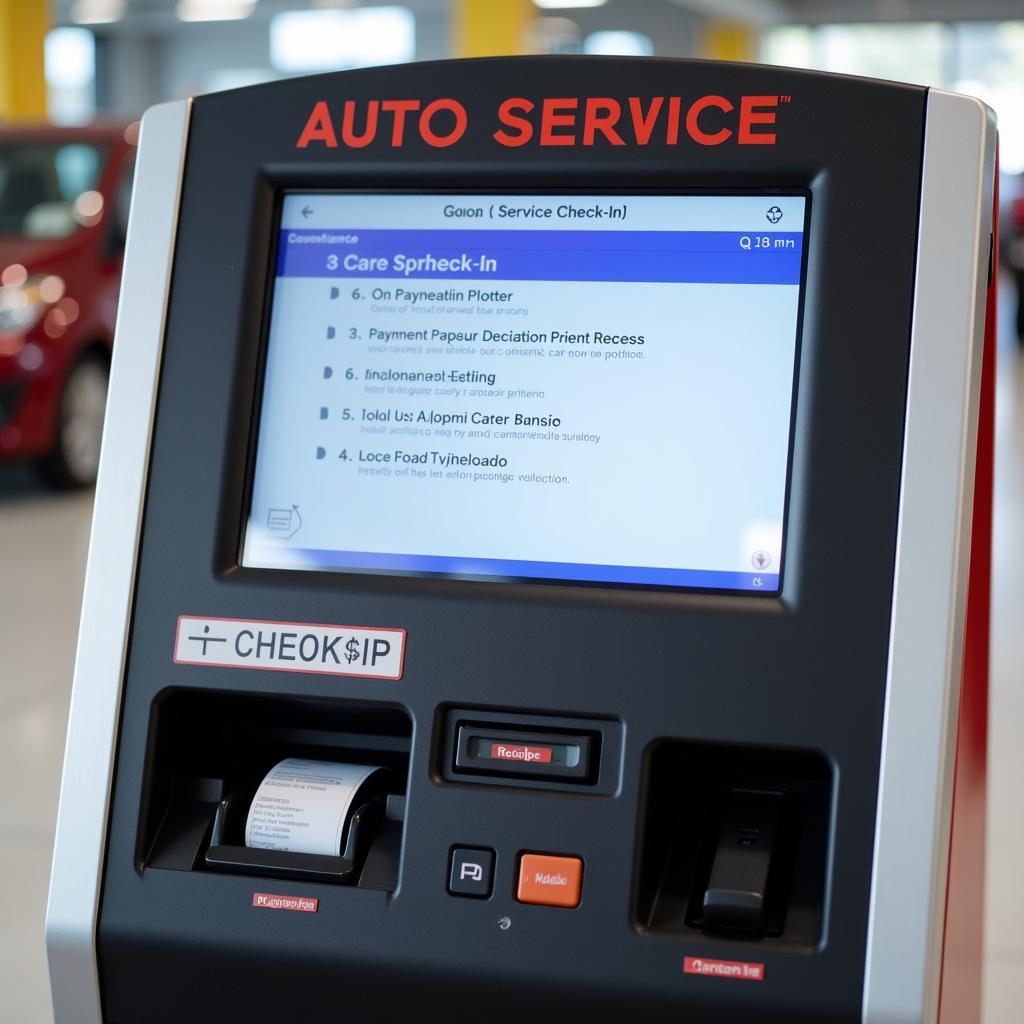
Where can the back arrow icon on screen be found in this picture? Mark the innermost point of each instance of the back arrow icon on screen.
(307, 210)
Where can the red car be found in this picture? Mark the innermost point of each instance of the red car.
(64, 197)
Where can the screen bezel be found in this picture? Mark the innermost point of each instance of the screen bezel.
(256, 412)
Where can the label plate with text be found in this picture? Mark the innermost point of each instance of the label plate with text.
(368, 652)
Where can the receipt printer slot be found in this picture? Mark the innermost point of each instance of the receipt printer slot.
(212, 754)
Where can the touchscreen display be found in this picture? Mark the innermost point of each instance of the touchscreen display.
(589, 388)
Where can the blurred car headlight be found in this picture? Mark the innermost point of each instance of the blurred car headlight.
(22, 305)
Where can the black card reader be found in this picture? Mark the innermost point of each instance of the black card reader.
(737, 887)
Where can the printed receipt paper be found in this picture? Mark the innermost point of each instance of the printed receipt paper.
(302, 806)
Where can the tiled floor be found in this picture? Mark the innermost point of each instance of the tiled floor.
(43, 540)
(1004, 938)
(42, 552)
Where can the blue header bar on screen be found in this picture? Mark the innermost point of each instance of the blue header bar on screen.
(698, 257)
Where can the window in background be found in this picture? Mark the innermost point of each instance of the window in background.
(42, 187)
(70, 61)
(903, 53)
(900, 52)
(984, 59)
(621, 43)
(989, 64)
(219, 79)
(78, 169)
(329, 40)
(789, 46)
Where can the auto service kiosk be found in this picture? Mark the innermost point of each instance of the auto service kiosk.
(530, 566)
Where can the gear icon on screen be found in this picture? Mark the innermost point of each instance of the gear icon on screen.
(774, 214)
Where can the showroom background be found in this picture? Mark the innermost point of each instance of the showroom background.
(75, 61)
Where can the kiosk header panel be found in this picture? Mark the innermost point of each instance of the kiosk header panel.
(557, 728)
(497, 355)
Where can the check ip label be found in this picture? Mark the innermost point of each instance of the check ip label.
(369, 652)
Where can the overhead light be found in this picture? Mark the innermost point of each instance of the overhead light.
(214, 10)
(619, 44)
(554, 5)
(96, 12)
(69, 58)
(327, 40)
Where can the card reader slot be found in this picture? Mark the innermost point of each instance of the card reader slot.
(734, 843)
(737, 893)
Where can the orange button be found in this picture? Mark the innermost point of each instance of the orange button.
(551, 881)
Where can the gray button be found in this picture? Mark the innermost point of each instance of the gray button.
(472, 872)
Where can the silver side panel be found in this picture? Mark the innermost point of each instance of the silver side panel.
(110, 575)
(933, 546)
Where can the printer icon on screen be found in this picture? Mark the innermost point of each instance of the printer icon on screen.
(286, 521)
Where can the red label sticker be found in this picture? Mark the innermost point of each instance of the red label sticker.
(269, 901)
(517, 752)
(738, 970)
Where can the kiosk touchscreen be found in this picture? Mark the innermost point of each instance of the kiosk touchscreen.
(534, 376)
(540, 556)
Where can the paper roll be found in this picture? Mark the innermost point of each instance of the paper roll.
(302, 806)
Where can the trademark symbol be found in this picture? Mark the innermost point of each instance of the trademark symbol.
(785, 99)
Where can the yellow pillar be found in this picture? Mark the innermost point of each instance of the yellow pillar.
(728, 40)
(490, 28)
(23, 27)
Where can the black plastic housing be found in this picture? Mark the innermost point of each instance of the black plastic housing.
(683, 673)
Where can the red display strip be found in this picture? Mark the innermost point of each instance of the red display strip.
(737, 970)
(270, 901)
(520, 753)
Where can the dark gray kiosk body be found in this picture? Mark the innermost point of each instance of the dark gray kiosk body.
(665, 692)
